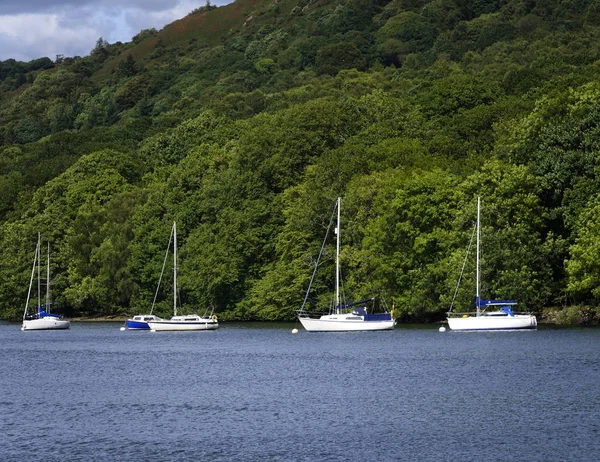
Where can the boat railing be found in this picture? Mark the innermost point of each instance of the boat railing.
(311, 314)
(453, 314)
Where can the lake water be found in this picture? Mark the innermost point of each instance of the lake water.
(257, 392)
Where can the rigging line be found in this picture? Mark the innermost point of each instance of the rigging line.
(162, 271)
(463, 268)
(32, 275)
(212, 310)
(319, 257)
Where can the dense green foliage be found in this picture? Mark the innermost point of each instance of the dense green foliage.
(244, 123)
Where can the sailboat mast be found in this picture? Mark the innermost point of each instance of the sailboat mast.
(477, 268)
(337, 260)
(174, 269)
(48, 281)
(31, 280)
(39, 303)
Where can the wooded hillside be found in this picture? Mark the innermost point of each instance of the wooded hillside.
(245, 122)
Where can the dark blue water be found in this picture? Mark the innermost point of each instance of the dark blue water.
(258, 392)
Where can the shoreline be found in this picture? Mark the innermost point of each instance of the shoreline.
(571, 316)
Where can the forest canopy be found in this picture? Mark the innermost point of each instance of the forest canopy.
(244, 123)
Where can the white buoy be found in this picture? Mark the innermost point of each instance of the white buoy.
(442, 329)
(122, 329)
(294, 331)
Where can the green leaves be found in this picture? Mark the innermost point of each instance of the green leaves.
(333, 58)
(583, 265)
(246, 134)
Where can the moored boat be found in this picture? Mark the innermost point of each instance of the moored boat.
(489, 314)
(42, 319)
(179, 322)
(342, 317)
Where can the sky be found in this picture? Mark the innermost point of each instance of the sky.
(31, 29)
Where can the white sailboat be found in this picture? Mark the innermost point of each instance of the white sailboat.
(187, 322)
(42, 319)
(500, 315)
(340, 318)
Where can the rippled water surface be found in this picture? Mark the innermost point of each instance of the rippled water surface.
(258, 392)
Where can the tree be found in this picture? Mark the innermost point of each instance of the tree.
(582, 266)
(332, 58)
(100, 48)
(405, 33)
(127, 67)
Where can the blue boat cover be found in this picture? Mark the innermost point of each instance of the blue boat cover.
(379, 317)
(483, 302)
(362, 311)
(507, 310)
(44, 314)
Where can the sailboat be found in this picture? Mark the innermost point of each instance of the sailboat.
(42, 319)
(187, 322)
(489, 314)
(340, 318)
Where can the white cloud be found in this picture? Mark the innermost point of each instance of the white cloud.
(30, 36)
(60, 27)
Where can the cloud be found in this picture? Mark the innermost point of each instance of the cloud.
(44, 37)
(31, 29)
(13, 7)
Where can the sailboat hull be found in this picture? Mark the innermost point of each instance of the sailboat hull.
(478, 323)
(334, 323)
(137, 325)
(140, 322)
(45, 324)
(184, 325)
